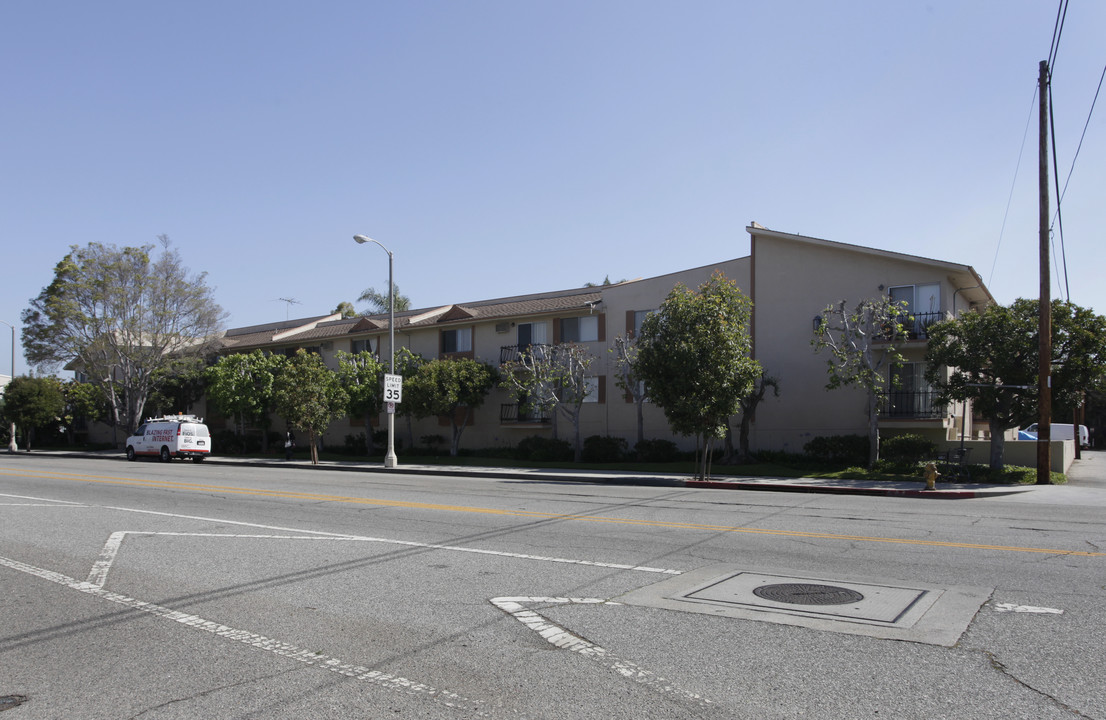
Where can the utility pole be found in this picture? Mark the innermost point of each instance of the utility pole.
(1044, 360)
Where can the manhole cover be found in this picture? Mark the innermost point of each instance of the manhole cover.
(808, 594)
(7, 702)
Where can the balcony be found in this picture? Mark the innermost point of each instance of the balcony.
(902, 405)
(916, 329)
(512, 414)
(511, 353)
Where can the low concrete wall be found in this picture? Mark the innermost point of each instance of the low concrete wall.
(1019, 452)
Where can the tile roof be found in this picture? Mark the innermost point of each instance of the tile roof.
(296, 332)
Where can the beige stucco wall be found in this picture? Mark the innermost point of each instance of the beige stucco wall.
(795, 280)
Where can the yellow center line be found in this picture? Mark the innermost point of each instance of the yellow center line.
(197, 487)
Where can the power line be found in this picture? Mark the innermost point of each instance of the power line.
(1013, 183)
(1057, 31)
(1056, 177)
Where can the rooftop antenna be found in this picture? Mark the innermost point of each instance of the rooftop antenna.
(290, 301)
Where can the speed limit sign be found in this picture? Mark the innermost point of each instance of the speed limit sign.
(393, 388)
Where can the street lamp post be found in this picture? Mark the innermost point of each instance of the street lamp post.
(390, 457)
(12, 446)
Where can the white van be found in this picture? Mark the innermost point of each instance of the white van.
(1063, 431)
(183, 436)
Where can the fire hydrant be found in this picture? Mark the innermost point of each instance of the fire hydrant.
(931, 475)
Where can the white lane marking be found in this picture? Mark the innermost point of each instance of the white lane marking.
(564, 639)
(98, 575)
(286, 650)
(320, 534)
(1011, 607)
(47, 501)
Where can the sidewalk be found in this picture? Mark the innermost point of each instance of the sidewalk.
(944, 491)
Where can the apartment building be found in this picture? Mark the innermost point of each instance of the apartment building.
(790, 278)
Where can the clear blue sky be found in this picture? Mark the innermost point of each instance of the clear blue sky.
(502, 147)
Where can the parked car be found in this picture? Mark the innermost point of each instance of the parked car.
(1059, 431)
(183, 436)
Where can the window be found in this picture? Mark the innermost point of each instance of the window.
(910, 394)
(459, 340)
(639, 318)
(531, 334)
(580, 329)
(359, 346)
(922, 301)
(591, 387)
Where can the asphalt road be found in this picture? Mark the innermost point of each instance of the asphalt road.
(182, 591)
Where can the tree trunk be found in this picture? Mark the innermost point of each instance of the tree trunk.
(641, 420)
(455, 444)
(578, 451)
(728, 455)
(743, 438)
(368, 434)
(998, 448)
(873, 431)
(314, 446)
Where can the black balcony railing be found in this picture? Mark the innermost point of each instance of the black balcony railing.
(916, 329)
(912, 405)
(919, 329)
(511, 353)
(513, 414)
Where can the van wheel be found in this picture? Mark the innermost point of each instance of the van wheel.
(165, 456)
(130, 453)
(197, 458)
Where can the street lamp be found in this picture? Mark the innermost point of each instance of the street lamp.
(12, 446)
(390, 456)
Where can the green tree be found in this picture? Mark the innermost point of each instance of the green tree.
(407, 365)
(32, 403)
(346, 309)
(553, 378)
(240, 386)
(863, 352)
(452, 388)
(991, 358)
(693, 354)
(177, 386)
(378, 301)
(84, 403)
(362, 376)
(123, 316)
(309, 396)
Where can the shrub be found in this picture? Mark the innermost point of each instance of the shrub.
(657, 451)
(906, 449)
(433, 442)
(844, 449)
(226, 442)
(544, 449)
(354, 444)
(603, 449)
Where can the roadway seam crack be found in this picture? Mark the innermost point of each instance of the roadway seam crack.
(212, 691)
(1003, 670)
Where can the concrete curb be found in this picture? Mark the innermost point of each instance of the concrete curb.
(798, 485)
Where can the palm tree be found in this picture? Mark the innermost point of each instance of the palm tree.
(378, 302)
